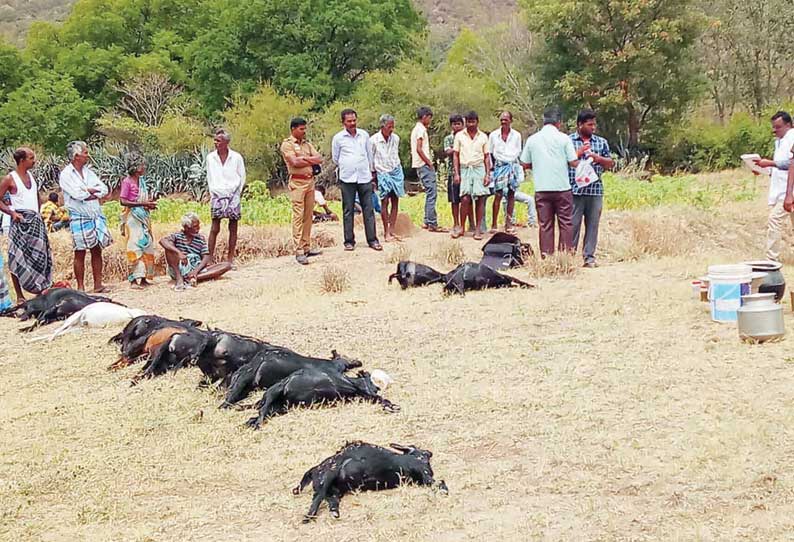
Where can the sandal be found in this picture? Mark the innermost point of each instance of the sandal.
(349, 246)
(376, 246)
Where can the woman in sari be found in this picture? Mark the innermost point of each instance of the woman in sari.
(136, 224)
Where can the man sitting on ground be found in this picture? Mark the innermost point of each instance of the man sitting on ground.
(327, 215)
(55, 217)
(188, 255)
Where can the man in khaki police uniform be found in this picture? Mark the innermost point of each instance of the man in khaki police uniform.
(300, 156)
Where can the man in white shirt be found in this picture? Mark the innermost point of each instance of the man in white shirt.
(389, 172)
(784, 140)
(351, 151)
(226, 180)
(422, 162)
(507, 174)
(82, 192)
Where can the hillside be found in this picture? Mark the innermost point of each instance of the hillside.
(444, 17)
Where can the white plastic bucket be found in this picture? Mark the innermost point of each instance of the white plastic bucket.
(727, 285)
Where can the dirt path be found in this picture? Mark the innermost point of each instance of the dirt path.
(603, 407)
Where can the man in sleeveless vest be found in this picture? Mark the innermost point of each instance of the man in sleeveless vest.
(29, 255)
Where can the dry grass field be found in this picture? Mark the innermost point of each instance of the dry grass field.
(603, 405)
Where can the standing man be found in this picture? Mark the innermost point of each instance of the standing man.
(549, 153)
(508, 173)
(226, 180)
(472, 164)
(453, 190)
(301, 158)
(422, 162)
(784, 139)
(29, 256)
(389, 171)
(588, 201)
(82, 191)
(351, 151)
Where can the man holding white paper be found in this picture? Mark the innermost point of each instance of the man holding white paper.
(784, 140)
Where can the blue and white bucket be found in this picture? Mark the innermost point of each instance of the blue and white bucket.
(727, 285)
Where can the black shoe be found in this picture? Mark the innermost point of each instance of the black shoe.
(302, 259)
(314, 252)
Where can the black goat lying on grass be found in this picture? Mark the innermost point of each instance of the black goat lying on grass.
(476, 276)
(312, 386)
(269, 367)
(56, 304)
(227, 352)
(359, 466)
(181, 350)
(466, 277)
(132, 339)
(415, 274)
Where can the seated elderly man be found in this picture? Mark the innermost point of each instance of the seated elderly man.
(188, 255)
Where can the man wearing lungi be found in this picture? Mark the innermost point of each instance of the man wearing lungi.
(29, 256)
(226, 180)
(507, 173)
(389, 172)
(472, 165)
(82, 191)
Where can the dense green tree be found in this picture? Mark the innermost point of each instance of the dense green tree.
(11, 69)
(632, 60)
(316, 49)
(46, 110)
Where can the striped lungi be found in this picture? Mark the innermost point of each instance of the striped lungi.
(89, 232)
(29, 255)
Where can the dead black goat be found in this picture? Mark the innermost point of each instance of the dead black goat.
(411, 274)
(476, 276)
(312, 386)
(359, 466)
(268, 367)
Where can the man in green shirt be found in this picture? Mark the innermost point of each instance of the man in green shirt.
(549, 153)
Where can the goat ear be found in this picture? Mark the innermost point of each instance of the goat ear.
(335, 354)
(400, 448)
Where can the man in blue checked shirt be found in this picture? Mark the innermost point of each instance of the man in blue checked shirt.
(588, 201)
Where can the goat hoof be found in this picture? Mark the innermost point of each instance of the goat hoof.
(335, 514)
(442, 487)
(253, 423)
(296, 490)
(308, 519)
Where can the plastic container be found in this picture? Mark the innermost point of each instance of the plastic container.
(727, 285)
(760, 319)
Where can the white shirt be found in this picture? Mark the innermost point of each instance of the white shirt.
(319, 199)
(779, 178)
(419, 132)
(353, 156)
(75, 191)
(385, 153)
(225, 179)
(505, 151)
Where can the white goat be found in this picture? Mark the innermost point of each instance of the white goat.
(98, 314)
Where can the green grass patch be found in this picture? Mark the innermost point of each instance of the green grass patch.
(621, 194)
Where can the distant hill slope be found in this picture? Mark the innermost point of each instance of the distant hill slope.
(16, 15)
(444, 16)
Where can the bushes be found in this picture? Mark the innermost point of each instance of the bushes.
(708, 146)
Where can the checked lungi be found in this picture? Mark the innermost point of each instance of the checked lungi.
(506, 177)
(29, 255)
(89, 232)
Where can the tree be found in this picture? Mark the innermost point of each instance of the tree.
(259, 123)
(11, 69)
(746, 54)
(46, 110)
(315, 49)
(632, 60)
(147, 98)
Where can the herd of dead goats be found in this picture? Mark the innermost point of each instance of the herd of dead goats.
(242, 365)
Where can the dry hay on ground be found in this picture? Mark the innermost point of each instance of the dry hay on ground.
(252, 243)
(604, 407)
